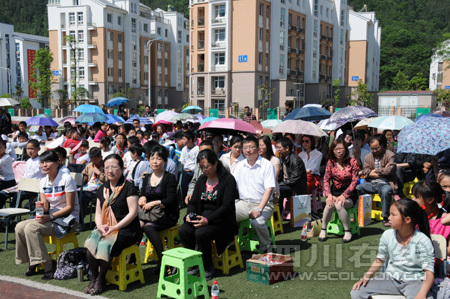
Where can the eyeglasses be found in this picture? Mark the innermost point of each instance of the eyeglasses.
(305, 141)
(250, 148)
(112, 168)
(206, 167)
(338, 149)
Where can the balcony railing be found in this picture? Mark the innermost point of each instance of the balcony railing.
(201, 91)
(218, 92)
(201, 21)
(218, 68)
(323, 37)
(201, 44)
(219, 44)
(201, 67)
(219, 21)
(92, 63)
(91, 26)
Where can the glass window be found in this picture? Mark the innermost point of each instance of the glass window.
(80, 18)
(119, 20)
(119, 37)
(80, 54)
(219, 82)
(219, 58)
(260, 58)
(219, 11)
(316, 27)
(281, 40)
(282, 16)
(145, 27)
(109, 18)
(81, 72)
(80, 36)
(219, 35)
(260, 34)
(261, 9)
(133, 25)
(71, 18)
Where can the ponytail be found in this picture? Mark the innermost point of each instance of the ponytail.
(410, 208)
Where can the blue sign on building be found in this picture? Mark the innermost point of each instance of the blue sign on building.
(447, 86)
(355, 78)
(243, 58)
(55, 73)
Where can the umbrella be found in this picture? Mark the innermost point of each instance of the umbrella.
(429, 136)
(362, 124)
(393, 122)
(8, 102)
(208, 119)
(166, 115)
(326, 126)
(70, 119)
(228, 124)
(114, 119)
(91, 118)
(443, 113)
(142, 120)
(181, 116)
(199, 116)
(351, 114)
(297, 126)
(117, 101)
(43, 115)
(309, 113)
(258, 127)
(424, 116)
(86, 108)
(189, 108)
(41, 121)
(270, 123)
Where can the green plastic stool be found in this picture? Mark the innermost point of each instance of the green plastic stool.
(335, 225)
(182, 285)
(249, 241)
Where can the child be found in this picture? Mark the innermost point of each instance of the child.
(62, 154)
(40, 135)
(131, 132)
(121, 145)
(410, 253)
(22, 129)
(49, 133)
(104, 146)
(82, 157)
(444, 180)
(73, 140)
(140, 135)
(131, 172)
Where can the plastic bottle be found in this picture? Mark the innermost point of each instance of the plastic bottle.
(215, 290)
(39, 210)
(304, 236)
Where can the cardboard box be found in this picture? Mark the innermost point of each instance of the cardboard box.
(260, 271)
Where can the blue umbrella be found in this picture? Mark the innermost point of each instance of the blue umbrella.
(142, 120)
(309, 113)
(208, 119)
(424, 116)
(114, 119)
(85, 108)
(189, 108)
(91, 118)
(428, 136)
(117, 101)
(41, 121)
(270, 123)
(393, 122)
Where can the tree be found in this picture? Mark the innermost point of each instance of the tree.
(80, 93)
(72, 43)
(361, 97)
(337, 91)
(42, 75)
(265, 93)
(443, 96)
(123, 93)
(25, 103)
(19, 92)
(400, 82)
(418, 82)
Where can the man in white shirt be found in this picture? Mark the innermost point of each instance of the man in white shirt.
(188, 159)
(255, 178)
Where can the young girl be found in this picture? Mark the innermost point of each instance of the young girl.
(105, 142)
(410, 253)
(140, 135)
(431, 198)
(82, 157)
(121, 145)
(444, 180)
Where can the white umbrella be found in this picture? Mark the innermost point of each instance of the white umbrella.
(297, 126)
(8, 102)
(362, 124)
(326, 126)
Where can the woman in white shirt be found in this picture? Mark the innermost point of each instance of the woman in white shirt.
(58, 197)
(6, 172)
(231, 159)
(312, 158)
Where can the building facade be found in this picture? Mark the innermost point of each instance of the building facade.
(17, 54)
(104, 46)
(440, 68)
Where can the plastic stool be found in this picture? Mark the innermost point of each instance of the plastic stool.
(70, 238)
(407, 188)
(228, 259)
(169, 239)
(376, 207)
(277, 224)
(181, 284)
(249, 241)
(335, 225)
(316, 201)
(120, 273)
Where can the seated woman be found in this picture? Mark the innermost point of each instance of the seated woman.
(116, 220)
(58, 197)
(312, 159)
(343, 172)
(266, 151)
(213, 204)
(231, 159)
(158, 200)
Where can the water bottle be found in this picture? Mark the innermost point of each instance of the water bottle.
(80, 273)
(215, 290)
(39, 210)
(304, 236)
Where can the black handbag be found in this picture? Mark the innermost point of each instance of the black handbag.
(152, 215)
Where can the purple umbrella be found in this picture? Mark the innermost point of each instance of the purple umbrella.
(41, 121)
(350, 114)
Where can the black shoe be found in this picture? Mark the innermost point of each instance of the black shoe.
(31, 270)
(209, 274)
(47, 275)
(323, 239)
(193, 271)
(347, 240)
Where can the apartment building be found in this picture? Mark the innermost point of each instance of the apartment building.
(440, 68)
(110, 46)
(364, 50)
(17, 54)
(296, 46)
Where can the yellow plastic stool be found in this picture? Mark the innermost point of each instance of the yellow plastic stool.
(169, 240)
(376, 207)
(277, 224)
(70, 238)
(122, 274)
(407, 188)
(228, 259)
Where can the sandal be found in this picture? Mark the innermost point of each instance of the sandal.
(31, 270)
(347, 240)
(323, 239)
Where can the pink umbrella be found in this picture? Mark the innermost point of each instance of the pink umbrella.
(70, 119)
(222, 125)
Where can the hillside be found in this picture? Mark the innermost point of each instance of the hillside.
(410, 28)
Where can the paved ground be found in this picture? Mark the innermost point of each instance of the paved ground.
(13, 287)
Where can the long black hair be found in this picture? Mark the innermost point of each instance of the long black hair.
(268, 143)
(431, 189)
(410, 208)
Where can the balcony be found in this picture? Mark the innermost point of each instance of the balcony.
(218, 68)
(92, 81)
(323, 37)
(92, 63)
(201, 67)
(91, 26)
(219, 21)
(201, 21)
(301, 52)
(330, 39)
(329, 58)
(292, 50)
(201, 44)
(293, 28)
(218, 92)
(201, 91)
(323, 57)
(92, 45)
(219, 44)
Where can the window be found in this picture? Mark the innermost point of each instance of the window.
(111, 36)
(281, 70)
(179, 36)
(146, 27)
(260, 34)
(282, 16)
(327, 12)
(314, 70)
(110, 54)
(219, 104)
(71, 18)
(166, 33)
(80, 36)
(119, 37)
(80, 54)
(342, 17)
(219, 82)
(281, 40)
(133, 25)
(120, 55)
(261, 9)
(260, 58)
(134, 60)
(316, 7)
(109, 18)
(321, 10)
(146, 76)
(81, 72)
(134, 76)
(134, 42)
(298, 22)
(158, 30)
(119, 20)
(316, 26)
(219, 35)
(80, 18)
(219, 11)
(72, 34)
(187, 38)
(146, 60)
(219, 58)
(120, 73)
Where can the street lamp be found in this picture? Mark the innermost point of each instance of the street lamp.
(149, 44)
(9, 73)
